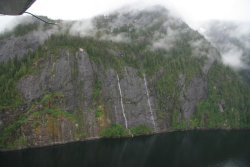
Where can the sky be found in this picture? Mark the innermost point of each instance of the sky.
(192, 11)
(197, 10)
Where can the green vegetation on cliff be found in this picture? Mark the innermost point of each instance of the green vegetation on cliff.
(117, 130)
(170, 72)
(10, 73)
(166, 66)
(43, 115)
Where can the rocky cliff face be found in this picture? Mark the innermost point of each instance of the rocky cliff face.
(81, 82)
(133, 73)
(24, 39)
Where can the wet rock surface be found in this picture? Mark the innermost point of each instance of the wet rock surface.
(196, 92)
(19, 46)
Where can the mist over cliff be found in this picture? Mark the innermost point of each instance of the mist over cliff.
(232, 41)
(128, 73)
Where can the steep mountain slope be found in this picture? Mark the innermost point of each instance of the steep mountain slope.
(124, 74)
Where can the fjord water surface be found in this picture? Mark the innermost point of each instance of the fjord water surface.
(176, 149)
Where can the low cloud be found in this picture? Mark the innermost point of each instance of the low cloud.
(82, 28)
(232, 41)
(170, 30)
(8, 23)
(165, 41)
(240, 30)
(41, 32)
(88, 28)
(233, 58)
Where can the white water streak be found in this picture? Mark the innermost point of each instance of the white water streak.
(123, 112)
(149, 103)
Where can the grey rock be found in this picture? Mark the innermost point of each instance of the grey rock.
(194, 93)
(21, 45)
(29, 88)
(134, 94)
(9, 115)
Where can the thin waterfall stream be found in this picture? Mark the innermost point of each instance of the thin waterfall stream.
(149, 103)
(123, 112)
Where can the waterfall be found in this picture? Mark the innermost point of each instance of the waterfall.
(149, 103)
(123, 112)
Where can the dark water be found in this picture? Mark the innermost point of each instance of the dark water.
(178, 149)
